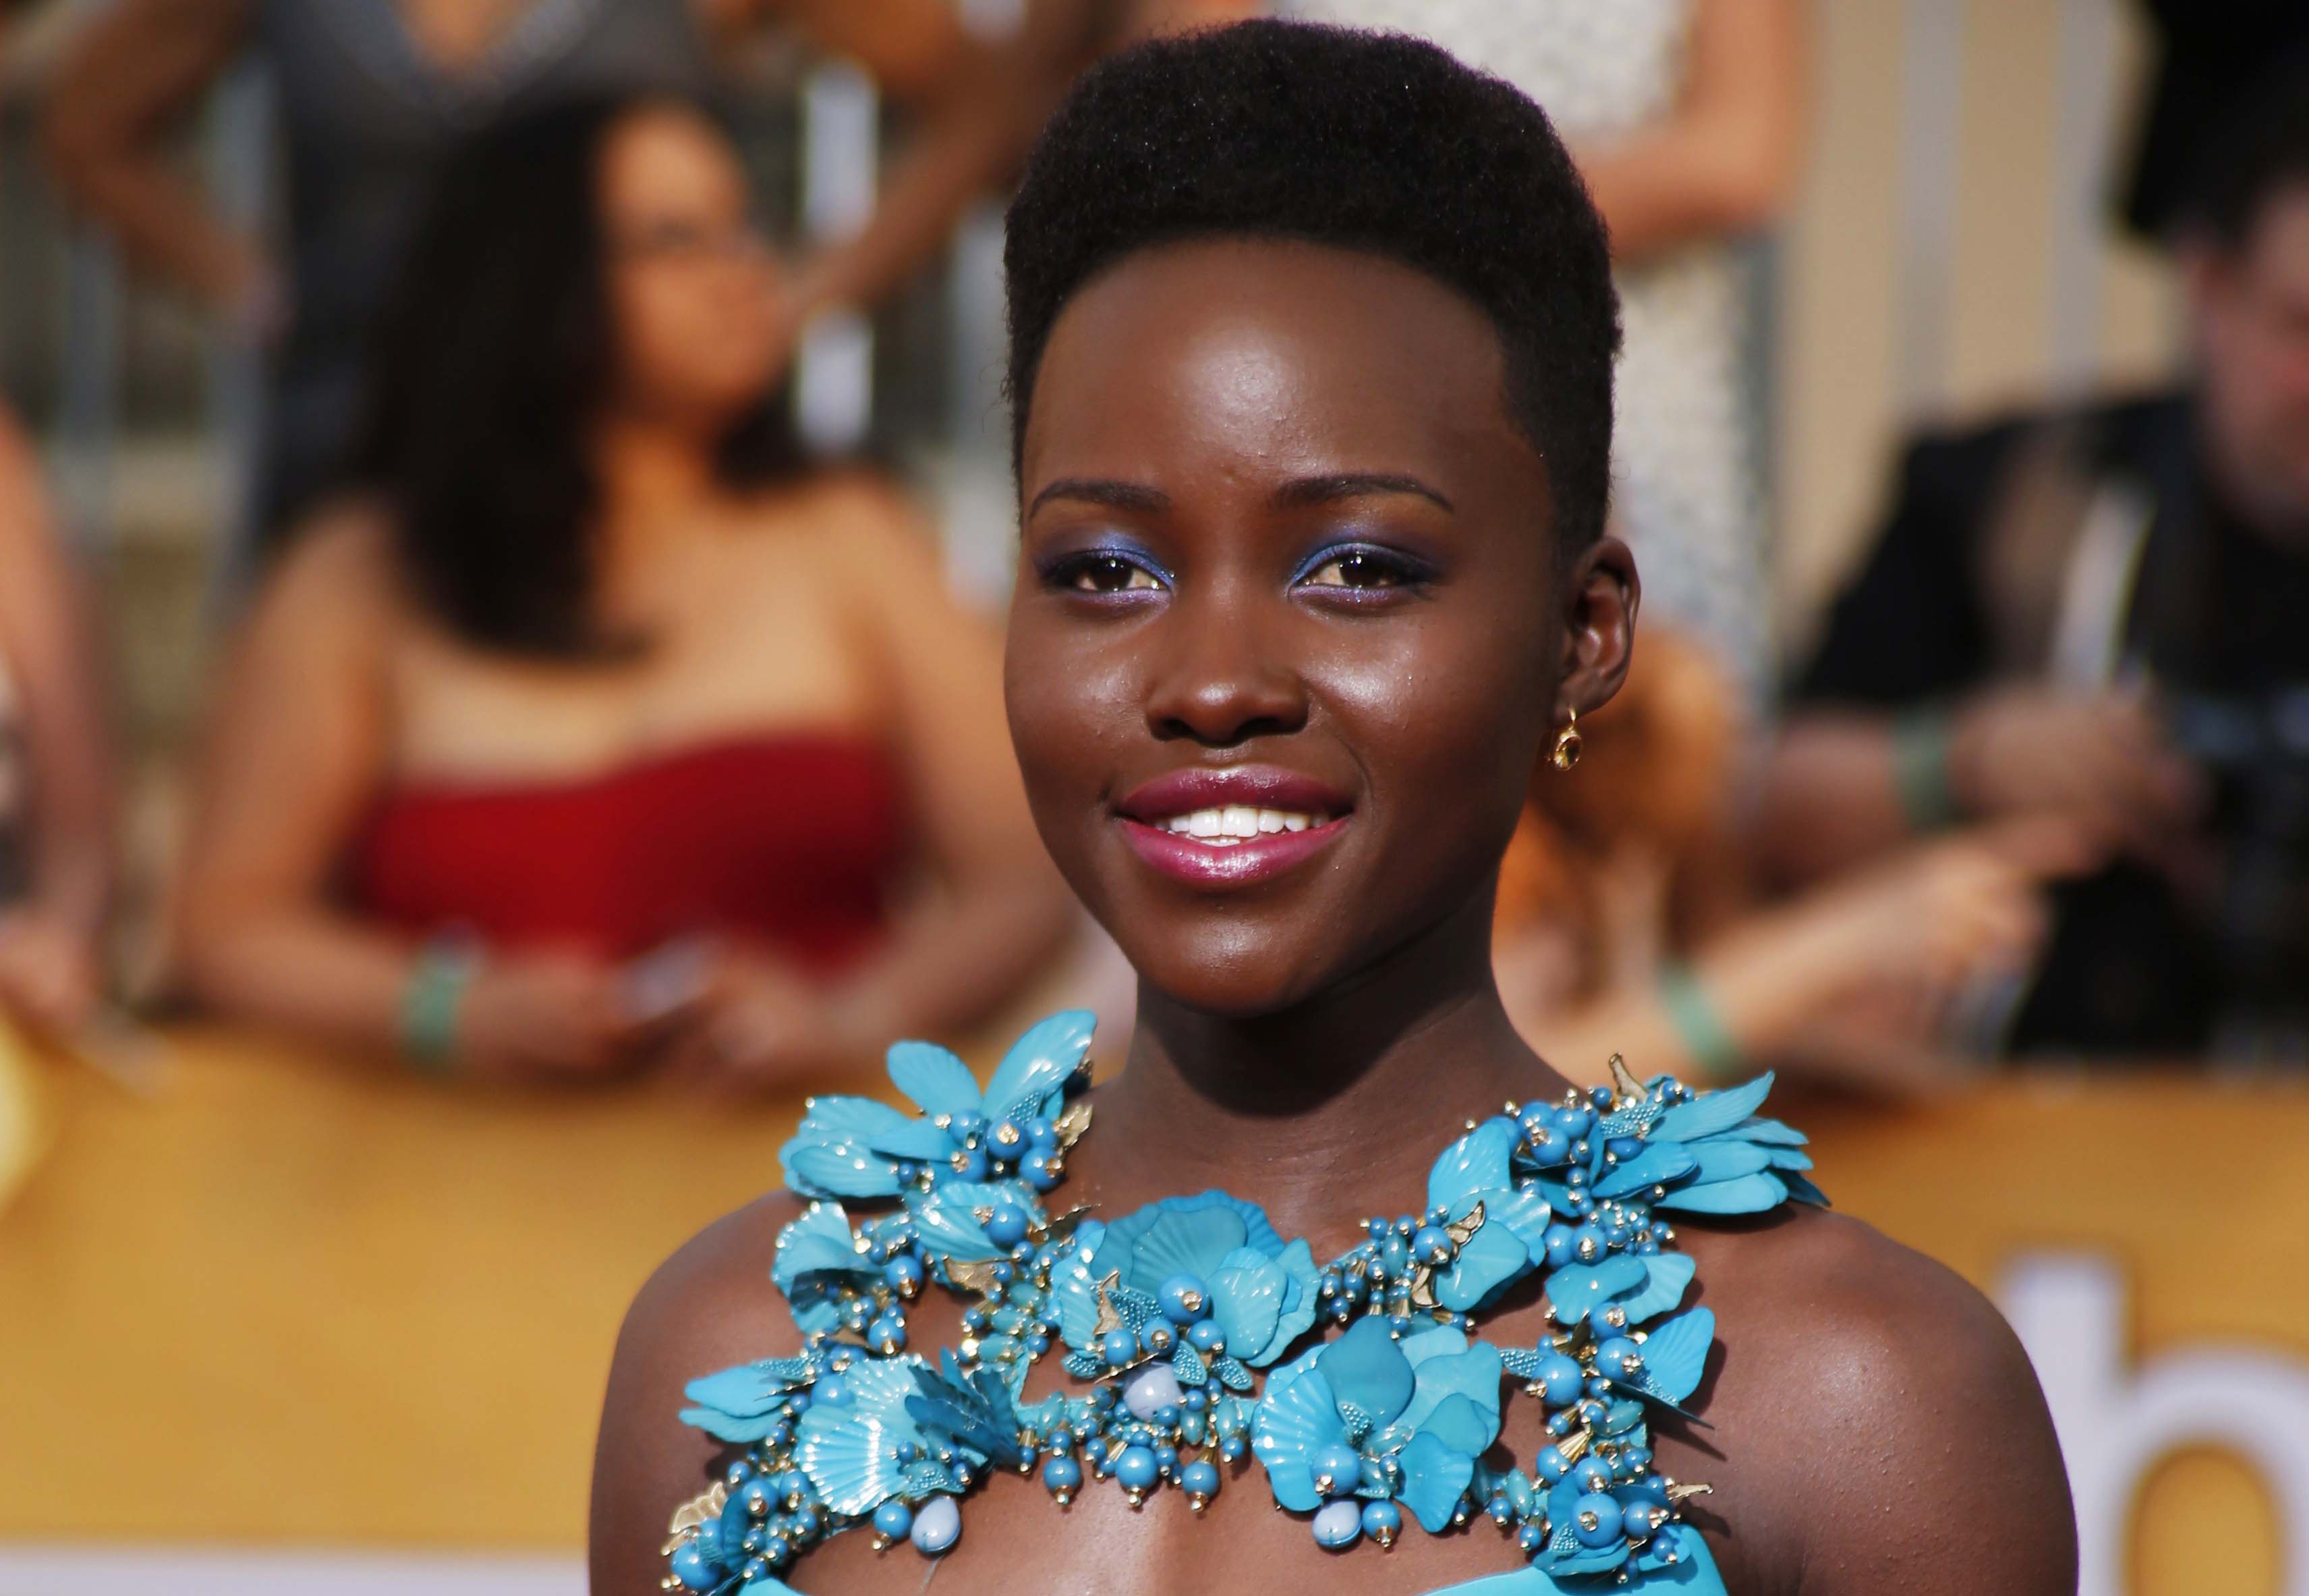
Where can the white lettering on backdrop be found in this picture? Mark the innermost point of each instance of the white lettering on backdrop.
(2117, 1420)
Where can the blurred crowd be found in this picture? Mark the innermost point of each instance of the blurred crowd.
(575, 718)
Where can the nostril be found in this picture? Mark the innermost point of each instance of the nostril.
(1226, 733)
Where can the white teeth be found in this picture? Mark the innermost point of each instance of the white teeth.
(1238, 823)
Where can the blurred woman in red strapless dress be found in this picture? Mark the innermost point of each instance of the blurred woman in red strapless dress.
(589, 730)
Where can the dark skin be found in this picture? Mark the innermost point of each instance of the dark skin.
(1277, 511)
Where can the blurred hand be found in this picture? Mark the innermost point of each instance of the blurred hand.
(762, 1024)
(49, 975)
(1909, 935)
(544, 1017)
(2100, 758)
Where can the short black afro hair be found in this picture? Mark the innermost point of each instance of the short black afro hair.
(1372, 141)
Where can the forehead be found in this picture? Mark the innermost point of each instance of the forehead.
(666, 157)
(1256, 359)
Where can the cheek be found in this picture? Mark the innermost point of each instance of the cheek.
(647, 327)
(1448, 718)
(1052, 725)
(1073, 706)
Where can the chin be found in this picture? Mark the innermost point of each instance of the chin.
(1236, 962)
(1250, 987)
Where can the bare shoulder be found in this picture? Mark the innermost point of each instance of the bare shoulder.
(866, 518)
(851, 528)
(1890, 1429)
(708, 1307)
(341, 567)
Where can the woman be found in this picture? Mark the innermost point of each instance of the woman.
(592, 727)
(1312, 343)
(374, 94)
(56, 811)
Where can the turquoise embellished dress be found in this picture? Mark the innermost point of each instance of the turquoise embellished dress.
(1201, 1337)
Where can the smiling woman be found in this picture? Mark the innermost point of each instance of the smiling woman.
(1311, 354)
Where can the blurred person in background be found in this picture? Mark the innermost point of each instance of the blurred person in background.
(1625, 926)
(56, 811)
(374, 93)
(594, 730)
(1687, 118)
(2103, 614)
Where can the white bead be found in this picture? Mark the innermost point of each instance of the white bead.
(938, 1525)
(1152, 1387)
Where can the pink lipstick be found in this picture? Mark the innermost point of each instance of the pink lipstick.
(1231, 827)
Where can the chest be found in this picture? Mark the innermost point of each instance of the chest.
(729, 655)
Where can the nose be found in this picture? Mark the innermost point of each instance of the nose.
(1220, 678)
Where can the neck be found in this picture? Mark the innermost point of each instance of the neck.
(1328, 1111)
(654, 480)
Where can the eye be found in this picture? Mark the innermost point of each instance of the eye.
(1103, 571)
(1361, 569)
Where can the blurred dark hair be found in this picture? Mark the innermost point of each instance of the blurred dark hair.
(491, 362)
(2255, 154)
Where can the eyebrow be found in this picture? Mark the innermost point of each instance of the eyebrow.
(1098, 491)
(1325, 490)
(1296, 494)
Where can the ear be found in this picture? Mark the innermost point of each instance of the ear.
(1600, 599)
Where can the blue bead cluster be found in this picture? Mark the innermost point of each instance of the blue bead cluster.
(1167, 1315)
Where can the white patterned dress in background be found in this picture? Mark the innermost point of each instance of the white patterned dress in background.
(1690, 498)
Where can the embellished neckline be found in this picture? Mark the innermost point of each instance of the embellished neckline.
(1179, 1318)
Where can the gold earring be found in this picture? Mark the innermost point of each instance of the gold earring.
(1567, 743)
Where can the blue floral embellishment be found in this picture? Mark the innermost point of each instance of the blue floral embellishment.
(860, 1446)
(748, 1403)
(1169, 1314)
(1483, 1233)
(1368, 1418)
(855, 1147)
(817, 1262)
(1204, 1281)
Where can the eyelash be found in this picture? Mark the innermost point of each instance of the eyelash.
(1083, 572)
(1395, 570)
(1077, 573)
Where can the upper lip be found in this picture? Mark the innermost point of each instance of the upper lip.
(1254, 786)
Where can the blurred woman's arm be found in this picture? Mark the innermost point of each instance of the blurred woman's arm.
(993, 910)
(132, 73)
(998, 910)
(982, 103)
(1843, 785)
(1900, 938)
(50, 964)
(296, 754)
(1727, 158)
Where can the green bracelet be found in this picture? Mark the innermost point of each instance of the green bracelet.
(430, 1002)
(1698, 1024)
(1920, 770)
